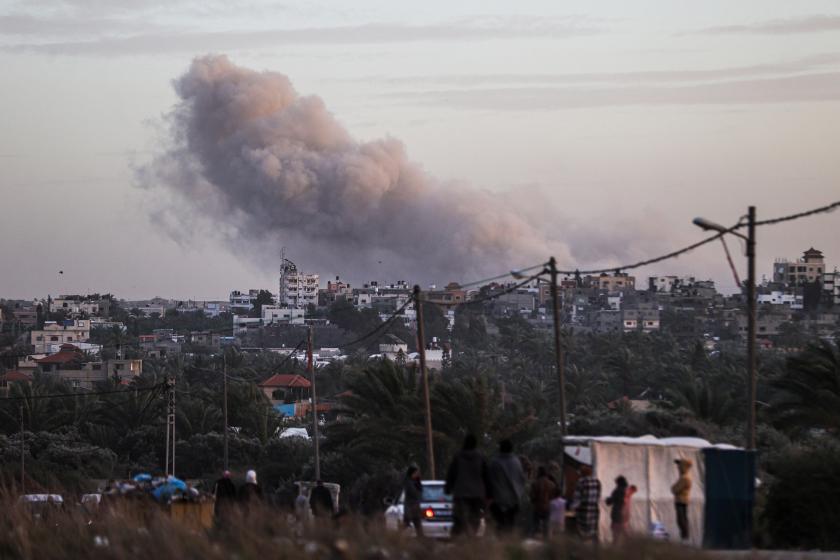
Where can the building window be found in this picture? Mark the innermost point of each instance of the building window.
(54, 338)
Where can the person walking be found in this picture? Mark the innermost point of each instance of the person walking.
(543, 490)
(681, 490)
(466, 482)
(412, 496)
(587, 498)
(224, 492)
(250, 494)
(619, 509)
(506, 483)
(320, 500)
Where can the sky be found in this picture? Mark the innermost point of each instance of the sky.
(628, 118)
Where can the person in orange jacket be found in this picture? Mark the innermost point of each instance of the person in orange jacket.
(682, 492)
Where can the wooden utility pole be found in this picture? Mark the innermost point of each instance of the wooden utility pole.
(170, 428)
(225, 407)
(421, 351)
(22, 456)
(751, 316)
(310, 367)
(558, 345)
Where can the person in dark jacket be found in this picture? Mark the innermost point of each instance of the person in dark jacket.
(412, 496)
(543, 490)
(466, 482)
(225, 493)
(616, 501)
(320, 500)
(506, 482)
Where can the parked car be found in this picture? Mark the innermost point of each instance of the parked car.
(40, 505)
(435, 507)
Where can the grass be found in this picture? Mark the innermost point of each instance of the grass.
(130, 529)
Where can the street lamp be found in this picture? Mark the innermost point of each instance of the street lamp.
(751, 309)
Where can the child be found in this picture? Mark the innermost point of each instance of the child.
(557, 516)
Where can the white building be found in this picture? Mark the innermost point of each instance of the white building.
(280, 314)
(74, 306)
(241, 323)
(297, 289)
(68, 332)
(794, 301)
(242, 301)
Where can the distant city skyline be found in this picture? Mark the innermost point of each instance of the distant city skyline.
(611, 124)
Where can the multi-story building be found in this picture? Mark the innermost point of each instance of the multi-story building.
(69, 331)
(618, 282)
(776, 297)
(297, 289)
(806, 270)
(452, 295)
(642, 317)
(75, 305)
(70, 365)
(208, 339)
(272, 314)
(242, 302)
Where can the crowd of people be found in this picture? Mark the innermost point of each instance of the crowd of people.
(501, 486)
(495, 490)
(318, 503)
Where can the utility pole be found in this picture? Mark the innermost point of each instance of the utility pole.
(170, 427)
(751, 318)
(22, 456)
(225, 407)
(421, 351)
(558, 347)
(310, 367)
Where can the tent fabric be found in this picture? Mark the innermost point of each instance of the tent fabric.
(648, 463)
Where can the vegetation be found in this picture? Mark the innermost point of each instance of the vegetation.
(501, 385)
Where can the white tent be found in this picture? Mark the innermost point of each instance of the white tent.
(648, 463)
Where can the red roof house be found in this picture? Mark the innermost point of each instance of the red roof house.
(67, 357)
(282, 386)
(14, 376)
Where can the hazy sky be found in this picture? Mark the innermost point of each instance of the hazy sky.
(634, 117)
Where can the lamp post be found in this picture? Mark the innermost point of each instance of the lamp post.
(751, 310)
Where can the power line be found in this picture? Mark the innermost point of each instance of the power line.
(820, 210)
(665, 257)
(678, 252)
(500, 276)
(509, 289)
(86, 394)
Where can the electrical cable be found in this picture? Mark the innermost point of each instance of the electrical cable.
(86, 394)
(678, 252)
(500, 276)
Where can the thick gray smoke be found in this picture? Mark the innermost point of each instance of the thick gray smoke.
(270, 168)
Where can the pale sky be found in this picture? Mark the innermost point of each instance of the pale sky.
(635, 116)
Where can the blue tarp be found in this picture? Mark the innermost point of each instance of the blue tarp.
(285, 409)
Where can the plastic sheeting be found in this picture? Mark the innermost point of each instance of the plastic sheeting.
(649, 465)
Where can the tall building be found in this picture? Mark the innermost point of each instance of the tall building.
(297, 289)
(805, 270)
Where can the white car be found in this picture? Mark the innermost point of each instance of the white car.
(435, 508)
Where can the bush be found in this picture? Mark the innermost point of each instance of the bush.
(802, 501)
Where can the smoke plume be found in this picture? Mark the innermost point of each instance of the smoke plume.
(270, 168)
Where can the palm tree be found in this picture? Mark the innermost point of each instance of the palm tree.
(380, 416)
(709, 395)
(808, 391)
(474, 405)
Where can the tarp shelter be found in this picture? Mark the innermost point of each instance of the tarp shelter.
(720, 510)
